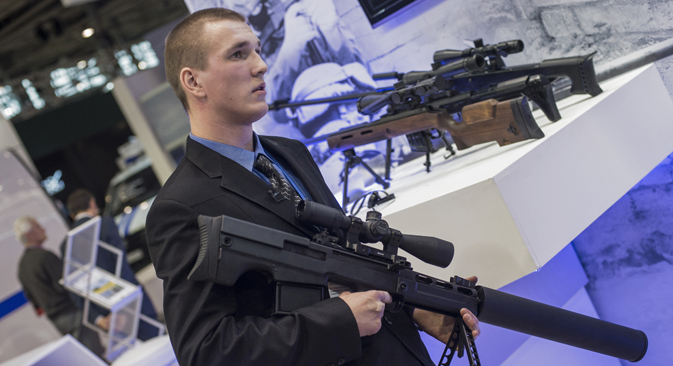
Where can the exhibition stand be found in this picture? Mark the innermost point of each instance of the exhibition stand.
(509, 210)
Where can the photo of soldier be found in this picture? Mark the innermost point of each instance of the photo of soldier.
(329, 80)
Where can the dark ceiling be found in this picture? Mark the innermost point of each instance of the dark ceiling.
(40, 35)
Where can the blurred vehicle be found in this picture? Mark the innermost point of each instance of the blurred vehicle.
(128, 200)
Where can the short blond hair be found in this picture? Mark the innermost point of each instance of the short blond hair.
(187, 47)
(22, 226)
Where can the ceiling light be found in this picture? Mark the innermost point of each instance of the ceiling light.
(87, 33)
(81, 65)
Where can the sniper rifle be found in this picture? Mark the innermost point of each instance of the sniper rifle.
(301, 269)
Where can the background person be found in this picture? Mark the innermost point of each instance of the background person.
(39, 273)
(219, 78)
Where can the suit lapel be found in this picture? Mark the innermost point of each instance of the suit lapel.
(242, 182)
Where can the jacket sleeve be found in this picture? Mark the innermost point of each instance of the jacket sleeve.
(31, 299)
(202, 319)
(40, 290)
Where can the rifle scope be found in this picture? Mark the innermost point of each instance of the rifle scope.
(430, 250)
(420, 83)
(502, 49)
(370, 104)
(469, 64)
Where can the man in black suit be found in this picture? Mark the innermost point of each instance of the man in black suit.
(39, 273)
(213, 65)
(82, 207)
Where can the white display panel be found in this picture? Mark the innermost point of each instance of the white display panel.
(82, 277)
(81, 252)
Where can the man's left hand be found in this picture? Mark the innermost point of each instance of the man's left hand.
(440, 326)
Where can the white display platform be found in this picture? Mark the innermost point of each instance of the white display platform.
(157, 351)
(509, 210)
(122, 298)
(62, 352)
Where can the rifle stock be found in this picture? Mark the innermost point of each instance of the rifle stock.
(580, 70)
(302, 268)
(505, 122)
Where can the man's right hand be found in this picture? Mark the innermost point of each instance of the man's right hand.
(104, 322)
(367, 307)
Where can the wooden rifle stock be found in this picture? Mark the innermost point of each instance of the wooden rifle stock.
(505, 122)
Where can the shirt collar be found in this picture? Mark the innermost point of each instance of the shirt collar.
(242, 156)
(82, 215)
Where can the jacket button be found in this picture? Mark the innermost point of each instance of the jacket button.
(341, 361)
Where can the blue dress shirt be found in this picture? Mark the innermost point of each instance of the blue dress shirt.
(247, 158)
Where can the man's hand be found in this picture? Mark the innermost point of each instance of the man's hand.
(104, 322)
(440, 326)
(367, 307)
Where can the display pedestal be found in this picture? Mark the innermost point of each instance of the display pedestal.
(81, 276)
(509, 210)
(62, 352)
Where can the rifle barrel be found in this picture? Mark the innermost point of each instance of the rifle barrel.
(467, 64)
(526, 316)
(353, 97)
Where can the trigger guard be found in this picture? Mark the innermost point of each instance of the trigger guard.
(395, 306)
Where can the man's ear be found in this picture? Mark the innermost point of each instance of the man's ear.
(92, 205)
(189, 78)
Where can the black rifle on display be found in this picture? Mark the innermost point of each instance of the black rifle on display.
(465, 95)
(301, 269)
(461, 78)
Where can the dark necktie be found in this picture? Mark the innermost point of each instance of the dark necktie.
(282, 189)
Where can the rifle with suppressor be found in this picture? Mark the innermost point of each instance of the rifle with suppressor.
(301, 269)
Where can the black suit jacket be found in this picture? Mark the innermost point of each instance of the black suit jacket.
(210, 324)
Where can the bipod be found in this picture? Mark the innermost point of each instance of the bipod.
(352, 160)
(463, 341)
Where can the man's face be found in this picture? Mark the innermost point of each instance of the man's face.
(233, 80)
(36, 235)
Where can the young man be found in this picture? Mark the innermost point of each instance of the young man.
(39, 273)
(213, 65)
